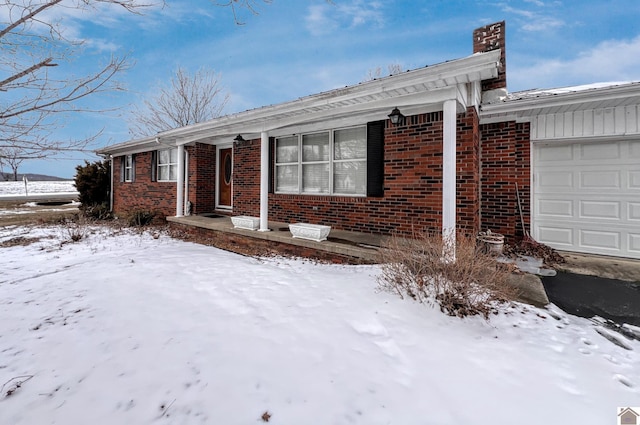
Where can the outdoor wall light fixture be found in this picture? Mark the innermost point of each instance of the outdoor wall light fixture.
(239, 138)
(396, 116)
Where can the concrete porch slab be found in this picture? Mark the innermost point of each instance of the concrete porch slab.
(360, 246)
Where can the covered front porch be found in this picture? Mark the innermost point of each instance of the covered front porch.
(342, 246)
(431, 100)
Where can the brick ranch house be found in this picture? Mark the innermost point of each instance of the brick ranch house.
(463, 155)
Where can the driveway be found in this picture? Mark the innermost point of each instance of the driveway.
(589, 296)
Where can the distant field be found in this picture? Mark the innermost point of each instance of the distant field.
(14, 211)
(18, 188)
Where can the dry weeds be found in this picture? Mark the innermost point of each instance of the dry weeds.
(473, 284)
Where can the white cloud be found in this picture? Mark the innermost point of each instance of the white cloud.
(324, 18)
(543, 19)
(101, 45)
(543, 23)
(611, 60)
(318, 22)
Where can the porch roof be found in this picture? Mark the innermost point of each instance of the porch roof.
(417, 91)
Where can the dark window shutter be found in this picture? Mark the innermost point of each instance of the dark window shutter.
(154, 165)
(272, 145)
(133, 168)
(375, 158)
(123, 160)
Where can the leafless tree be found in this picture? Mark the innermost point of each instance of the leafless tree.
(187, 99)
(38, 85)
(392, 69)
(13, 158)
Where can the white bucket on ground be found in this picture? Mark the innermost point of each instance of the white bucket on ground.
(492, 242)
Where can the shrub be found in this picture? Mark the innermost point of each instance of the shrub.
(93, 184)
(140, 218)
(472, 284)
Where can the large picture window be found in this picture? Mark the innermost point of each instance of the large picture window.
(329, 162)
(168, 165)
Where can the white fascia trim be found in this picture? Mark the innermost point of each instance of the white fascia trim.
(503, 118)
(410, 104)
(562, 99)
(137, 146)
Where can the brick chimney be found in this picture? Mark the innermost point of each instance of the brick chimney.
(486, 39)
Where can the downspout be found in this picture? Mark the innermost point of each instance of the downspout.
(449, 180)
(111, 191)
(264, 182)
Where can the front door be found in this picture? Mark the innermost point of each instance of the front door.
(225, 168)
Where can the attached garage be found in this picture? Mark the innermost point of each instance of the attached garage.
(584, 165)
(586, 196)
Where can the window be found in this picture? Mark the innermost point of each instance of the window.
(330, 162)
(128, 168)
(350, 161)
(167, 165)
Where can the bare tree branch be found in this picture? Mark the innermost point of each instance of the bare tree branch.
(36, 98)
(187, 99)
(235, 5)
(46, 62)
(392, 69)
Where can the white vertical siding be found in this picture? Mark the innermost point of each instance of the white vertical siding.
(618, 121)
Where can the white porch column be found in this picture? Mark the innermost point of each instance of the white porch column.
(264, 182)
(180, 183)
(185, 196)
(449, 179)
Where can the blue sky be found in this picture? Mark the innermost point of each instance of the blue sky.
(294, 48)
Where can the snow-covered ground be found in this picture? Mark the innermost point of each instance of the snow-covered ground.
(128, 328)
(18, 188)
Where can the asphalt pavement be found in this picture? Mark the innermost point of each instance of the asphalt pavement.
(588, 296)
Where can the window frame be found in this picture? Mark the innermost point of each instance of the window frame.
(127, 165)
(159, 165)
(300, 163)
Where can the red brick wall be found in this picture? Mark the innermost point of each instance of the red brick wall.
(142, 194)
(160, 197)
(468, 172)
(505, 156)
(246, 178)
(202, 178)
(412, 187)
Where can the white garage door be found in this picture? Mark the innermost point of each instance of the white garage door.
(586, 197)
